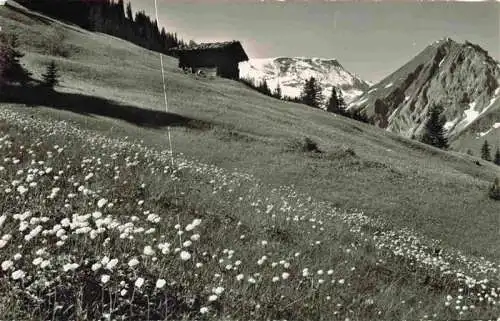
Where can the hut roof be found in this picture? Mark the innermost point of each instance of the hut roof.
(234, 46)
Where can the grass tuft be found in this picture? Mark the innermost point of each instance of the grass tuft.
(304, 145)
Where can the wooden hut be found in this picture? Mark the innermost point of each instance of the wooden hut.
(223, 57)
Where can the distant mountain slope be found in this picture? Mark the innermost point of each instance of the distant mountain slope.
(291, 73)
(462, 78)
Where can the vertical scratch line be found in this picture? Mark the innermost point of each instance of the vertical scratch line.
(171, 151)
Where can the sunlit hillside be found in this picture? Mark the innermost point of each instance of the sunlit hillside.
(242, 223)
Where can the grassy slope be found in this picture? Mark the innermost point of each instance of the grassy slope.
(442, 195)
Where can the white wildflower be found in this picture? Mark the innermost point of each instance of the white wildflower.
(37, 261)
(18, 274)
(218, 290)
(44, 264)
(111, 264)
(139, 282)
(102, 202)
(105, 278)
(133, 262)
(70, 267)
(7, 265)
(160, 283)
(185, 255)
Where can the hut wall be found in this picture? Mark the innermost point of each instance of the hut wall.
(228, 69)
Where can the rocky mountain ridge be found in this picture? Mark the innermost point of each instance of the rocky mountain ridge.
(460, 77)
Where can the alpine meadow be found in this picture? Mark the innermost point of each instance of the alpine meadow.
(205, 184)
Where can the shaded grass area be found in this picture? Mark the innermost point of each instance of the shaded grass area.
(91, 105)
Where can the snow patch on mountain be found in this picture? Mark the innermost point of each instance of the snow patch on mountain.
(470, 115)
(485, 133)
(493, 127)
(292, 73)
(450, 124)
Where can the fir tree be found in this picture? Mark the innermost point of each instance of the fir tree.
(311, 94)
(434, 132)
(130, 16)
(4, 62)
(497, 157)
(336, 103)
(277, 92)
(264, 88)
(11, 70)
(496, 160)
(51, 76)
(486, 151)
(121, 9)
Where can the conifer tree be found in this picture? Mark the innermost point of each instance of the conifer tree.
(11, 70)
(434, 132)
(277, 92)
(51, 76)
(121, 9)
(4, 61)
(336, 103)
(497, 157)
(311, 93)
(486, 151)
(264, 88)
(130, 16)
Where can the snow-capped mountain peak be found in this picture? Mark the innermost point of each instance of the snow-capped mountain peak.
(292, 72)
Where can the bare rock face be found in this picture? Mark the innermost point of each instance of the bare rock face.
(461, 78)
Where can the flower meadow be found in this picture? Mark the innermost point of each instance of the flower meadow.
(99, 228)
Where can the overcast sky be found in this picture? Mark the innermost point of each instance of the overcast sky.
(368, 38)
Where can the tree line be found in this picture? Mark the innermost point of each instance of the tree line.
(263, 88)
(111, 17)
(486, 153)
(311, 95)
